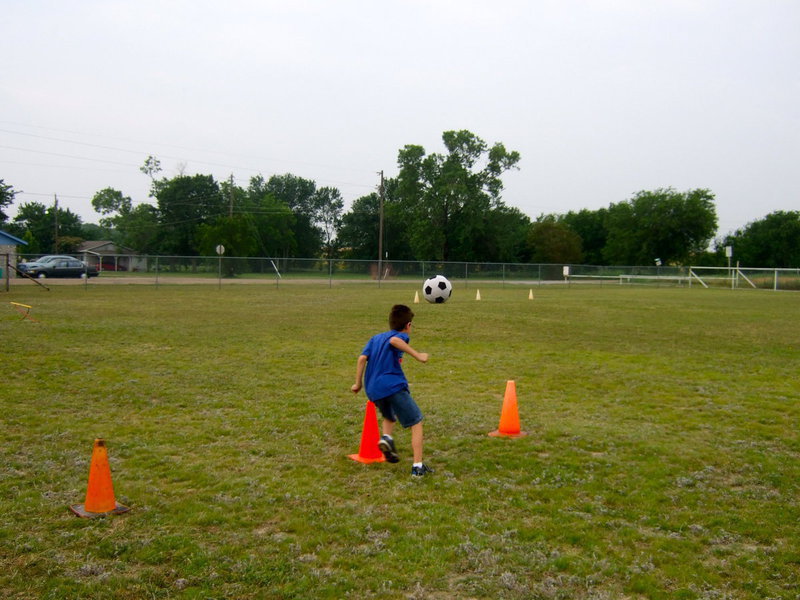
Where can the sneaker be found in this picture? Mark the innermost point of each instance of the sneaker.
(386, 445)
(420, 471)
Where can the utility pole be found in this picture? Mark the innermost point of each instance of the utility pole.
(55, 218)
(380, 231)
(230, 198)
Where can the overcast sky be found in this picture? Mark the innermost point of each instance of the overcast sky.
(601, 98)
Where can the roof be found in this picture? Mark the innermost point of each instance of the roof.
(6, 239)
(104, 246)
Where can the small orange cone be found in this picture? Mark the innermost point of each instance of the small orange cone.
(509, 417)
(478, 295)
(100, 499)
(416, 297)
(369, 452)
(530, 294)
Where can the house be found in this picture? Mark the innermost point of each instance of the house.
(108, 256)
(8, 254)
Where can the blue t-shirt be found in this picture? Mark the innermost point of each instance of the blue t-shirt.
(384, 376)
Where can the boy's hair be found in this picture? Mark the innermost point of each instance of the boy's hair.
(400, 316)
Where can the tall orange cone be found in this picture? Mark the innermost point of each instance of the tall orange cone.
(369, 452)
(100, 499)
(416, 297)
(509, 417)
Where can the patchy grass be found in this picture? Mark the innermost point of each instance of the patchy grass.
(661, 460)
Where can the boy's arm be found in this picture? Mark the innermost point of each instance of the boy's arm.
(403, 346)
(361, 363)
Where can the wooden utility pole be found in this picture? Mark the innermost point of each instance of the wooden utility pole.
(55, 219)
(380, 231)
(230, 198)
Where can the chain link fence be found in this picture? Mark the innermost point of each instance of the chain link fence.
(223, 270)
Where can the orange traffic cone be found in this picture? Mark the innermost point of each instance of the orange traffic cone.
(100, 499)
(369, 452)
(509, 417)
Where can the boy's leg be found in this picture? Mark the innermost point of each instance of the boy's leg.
(416, 441)
(386, 443)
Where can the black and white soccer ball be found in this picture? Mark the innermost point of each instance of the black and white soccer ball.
(437, 289)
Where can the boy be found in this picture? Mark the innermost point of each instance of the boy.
(387, 386)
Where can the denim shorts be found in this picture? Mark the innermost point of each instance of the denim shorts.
(400, 406)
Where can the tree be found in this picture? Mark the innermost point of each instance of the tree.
(40, 221)
(298, 194)
(551, 241)
(7, 194)
(591, 228)
(275, 223)
(185, 203)
(328, 206)
(665, 224)
(450, 195)
(136, 227)
(358, 235)
(151, 168)
(773, 241)
(272, 221)
(109, 201)
(505, 236)
(234, 233)
(140, 229)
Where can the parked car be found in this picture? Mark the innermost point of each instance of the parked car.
(110, 266)
(42, 260)
(61, 267)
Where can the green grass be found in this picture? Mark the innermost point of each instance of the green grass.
(661, 460)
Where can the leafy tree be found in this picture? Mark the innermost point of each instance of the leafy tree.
(299, 195)
(665, 224)
(773, 241)
(274, 221)
(591, 228)
(135, 227)
(328, 206)
(450, 195)
(7, 194)
(109, 201)
(551, 241)
(358, 235)
(151, 168)
(505, 235)
(140, 230)
(235, 233)
(91, 231)
(185, 203)
(40, 221)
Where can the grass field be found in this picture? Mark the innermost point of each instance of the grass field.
(661, 460)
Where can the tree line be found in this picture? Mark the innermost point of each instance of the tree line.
(440, 207)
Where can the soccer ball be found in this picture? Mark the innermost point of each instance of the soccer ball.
(437, 289)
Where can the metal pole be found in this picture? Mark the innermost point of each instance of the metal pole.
(380, 233)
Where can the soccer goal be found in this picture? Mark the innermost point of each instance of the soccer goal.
(749, 278)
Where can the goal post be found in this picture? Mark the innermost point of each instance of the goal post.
(736, 277)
